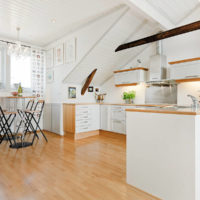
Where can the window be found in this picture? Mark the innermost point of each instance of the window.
(2, 66)
(21, 71)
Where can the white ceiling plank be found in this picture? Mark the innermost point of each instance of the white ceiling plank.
(34, 17)
(151, 13)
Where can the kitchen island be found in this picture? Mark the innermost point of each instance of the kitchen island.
(163, 152)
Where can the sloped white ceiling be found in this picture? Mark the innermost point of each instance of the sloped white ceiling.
(34, 17)
(103, 56)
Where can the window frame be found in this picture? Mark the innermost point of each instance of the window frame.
(3, 68)
(25, 89)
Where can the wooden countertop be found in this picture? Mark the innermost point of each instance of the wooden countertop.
(17, 97)
(120, 104)
(185, 111)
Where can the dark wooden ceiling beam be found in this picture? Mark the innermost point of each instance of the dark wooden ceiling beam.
(88, 81)
(160, 36)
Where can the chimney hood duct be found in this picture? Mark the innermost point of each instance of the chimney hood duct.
(158, 64)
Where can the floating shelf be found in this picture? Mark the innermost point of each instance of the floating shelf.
(127, 70)
(128, 84)
(184, 61)
(187, 80)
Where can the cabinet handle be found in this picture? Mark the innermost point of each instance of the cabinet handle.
(125, 82)
(117, 121)
(194, 76)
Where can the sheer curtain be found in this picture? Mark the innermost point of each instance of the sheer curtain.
(37, 73)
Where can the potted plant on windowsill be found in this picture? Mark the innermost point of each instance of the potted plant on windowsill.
(129, 97)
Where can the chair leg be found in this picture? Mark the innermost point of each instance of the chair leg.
(2, 138)
(38, 126)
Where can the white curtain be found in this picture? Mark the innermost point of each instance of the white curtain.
(38, 67)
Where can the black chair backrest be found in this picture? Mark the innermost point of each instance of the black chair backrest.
(30, 104)
(39, 107)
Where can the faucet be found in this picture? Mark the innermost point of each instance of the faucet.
(194, 100)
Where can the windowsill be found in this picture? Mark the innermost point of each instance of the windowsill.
(7, 91)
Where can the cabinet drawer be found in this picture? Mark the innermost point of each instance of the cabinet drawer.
(184, 71)
(83, 117)
(118, 126)
(82, 129)
(117, 108)
(83, 122)
(118, 115)
(82, 107)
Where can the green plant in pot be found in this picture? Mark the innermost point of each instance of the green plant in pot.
(129, 97)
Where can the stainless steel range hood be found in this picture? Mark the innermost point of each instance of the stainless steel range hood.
(158, 65)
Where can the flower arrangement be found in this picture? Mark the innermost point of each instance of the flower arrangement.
(129, 96)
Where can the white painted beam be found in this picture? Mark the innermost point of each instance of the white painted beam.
(150, 12)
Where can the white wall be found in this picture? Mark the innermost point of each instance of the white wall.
(114, 94)
(86, 38)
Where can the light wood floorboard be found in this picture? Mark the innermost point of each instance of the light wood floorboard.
(63, 169)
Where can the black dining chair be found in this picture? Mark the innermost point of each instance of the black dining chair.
(29, 106)
(33, 118)
(6, 121)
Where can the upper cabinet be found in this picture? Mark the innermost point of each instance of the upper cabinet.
(185, 70)
(128, 77)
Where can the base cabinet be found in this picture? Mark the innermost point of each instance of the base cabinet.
(53, 118)
(105, 111)
(113, 118)
(81, 121)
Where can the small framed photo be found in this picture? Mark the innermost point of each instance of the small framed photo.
(59, 55)
(72, 92)
(50, 76)
(49, 58)
(90, 89)
(70, 51)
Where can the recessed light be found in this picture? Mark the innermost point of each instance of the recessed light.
(53, 21)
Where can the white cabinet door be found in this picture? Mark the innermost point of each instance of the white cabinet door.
(52, 118)
(55, 115)
(95, 119)
(47, 117)
(129, 77)
(185, 70)
(118, 123)
(118, 126)
(105, 117)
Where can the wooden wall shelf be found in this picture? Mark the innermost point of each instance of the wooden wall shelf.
(183, 61)
(126, 70)
(187, 80)
(124, 85)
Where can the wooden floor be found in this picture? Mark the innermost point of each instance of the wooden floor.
(89, 169)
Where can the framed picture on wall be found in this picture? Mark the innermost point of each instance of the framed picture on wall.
(59, 55)
(49, 58)
(50, 76)
(72, 92)
(70, 51)
(90, 89)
